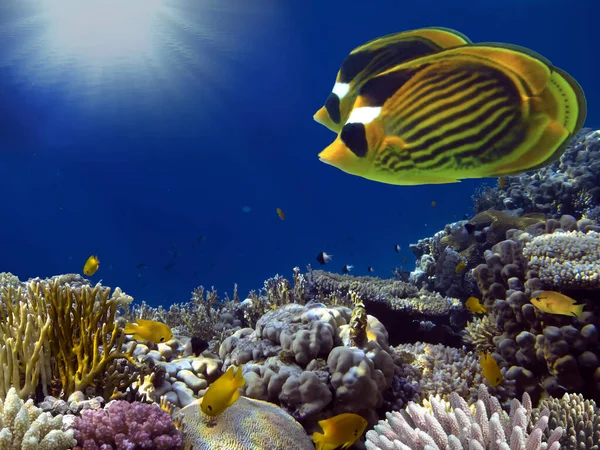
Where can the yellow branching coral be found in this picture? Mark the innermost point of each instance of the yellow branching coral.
(24, 346)
(358, 321)
(84, 338)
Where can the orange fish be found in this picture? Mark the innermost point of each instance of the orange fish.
(280, 214)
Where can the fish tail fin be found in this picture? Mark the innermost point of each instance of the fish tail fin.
(577, 311)
(130, 328)
(318, 440)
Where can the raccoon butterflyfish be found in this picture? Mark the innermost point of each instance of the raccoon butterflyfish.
(347, 268)
(91, 266)
(484, 110)
(323, 258)
(556, 303)
(340, 431)
(490, 369)
(375, 57)
(280, 214)
(149, 330)
(474, 305)
(370, 269)
(223, 392)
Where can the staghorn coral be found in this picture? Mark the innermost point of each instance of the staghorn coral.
(24, 346)
(566, 259)
(578, 417)
(23, 426)
(126, 426)
(84, 339)
(487, 427)
(247, 424)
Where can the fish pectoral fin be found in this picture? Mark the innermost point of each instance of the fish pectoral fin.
(318, 440)
(234, 397)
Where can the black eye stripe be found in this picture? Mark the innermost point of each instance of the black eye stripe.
(332, 105)
(355, 137)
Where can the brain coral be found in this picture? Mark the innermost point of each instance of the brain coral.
(566, 259)
(248, 424)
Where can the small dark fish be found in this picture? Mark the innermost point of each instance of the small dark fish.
(169, 266)
(347, 268)
(323, 258)
(370, 269)
(144, 285)
(397, 248)
(201, 238)
(198, 345)
(404, 260)
(141, 266)
(469, 227)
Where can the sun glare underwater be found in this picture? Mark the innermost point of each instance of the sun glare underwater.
(299, 225)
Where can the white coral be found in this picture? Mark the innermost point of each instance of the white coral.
(26, 427)
(566, 258)
(488, 428)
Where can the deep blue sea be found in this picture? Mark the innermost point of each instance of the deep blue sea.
(165, 133)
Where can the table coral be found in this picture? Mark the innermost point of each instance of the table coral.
(126, 426)
(23, 426)
(248, 424)
(567, 259)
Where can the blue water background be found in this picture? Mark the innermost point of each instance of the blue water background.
(137, 166)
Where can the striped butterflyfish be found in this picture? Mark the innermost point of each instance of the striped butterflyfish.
(377, 56)
(476, 111)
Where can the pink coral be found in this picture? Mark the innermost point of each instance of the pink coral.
(126, 426)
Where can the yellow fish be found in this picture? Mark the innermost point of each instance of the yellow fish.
(377, 56)
(490, 369)
(475, 111)
(222, 393)
(91, 266)
(149, 330)
(473, 304)
(556, 303)
(280, 214)
(460, 267)
(340, 431)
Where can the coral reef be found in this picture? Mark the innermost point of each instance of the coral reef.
(570, 185)
(577, 416)
(24, 426)
(126, 426)
(246, 424)
(459, 427)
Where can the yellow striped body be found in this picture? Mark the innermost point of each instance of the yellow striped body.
(476, 111)
(375, 57)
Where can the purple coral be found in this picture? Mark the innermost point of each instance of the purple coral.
(126, 426)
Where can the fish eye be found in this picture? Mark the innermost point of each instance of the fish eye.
(162, 339)
(354, 136)
(209, 408)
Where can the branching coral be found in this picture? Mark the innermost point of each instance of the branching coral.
(126, 426)
(24, 346)
(84, 338)
(578, 417)
(23, 426)
(487, 427)
(201, 316)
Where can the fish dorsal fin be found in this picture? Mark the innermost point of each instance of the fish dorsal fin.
(379, 89)
(324, 424)
(239, 378)
(234, 397)
(229, 374)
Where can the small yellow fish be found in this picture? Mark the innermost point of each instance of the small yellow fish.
(502, 182)
(460, 267)
(473, 304)
(91, 266)
(149, 330)
(280, 214)
(223, 392)
(556, 303)
(433, 203)
(340, 431)
(490, 369)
